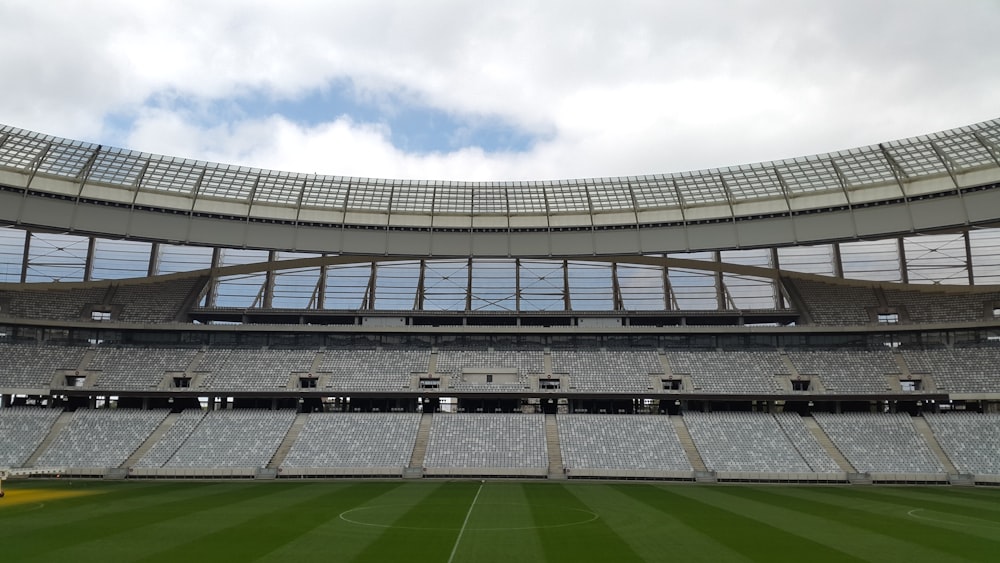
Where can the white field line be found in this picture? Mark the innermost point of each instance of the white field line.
(464, 524)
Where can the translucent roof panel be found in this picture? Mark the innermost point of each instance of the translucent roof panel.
(569, 197)
(172, 175)
(917, 158)
(280, 188)
(965, 151)
(21, 151)
(749, 182)
(701, 187)
(808, 175)
(527, 199)
(453, 199)
(863, 166)
(489, 200)
(654, 192)
(66, 159)
(413, 198)
(119, 168)
(228, 182)
(610, 196)
(373, 195)
(325, 191)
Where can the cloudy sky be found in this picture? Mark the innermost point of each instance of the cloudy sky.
(496, 90)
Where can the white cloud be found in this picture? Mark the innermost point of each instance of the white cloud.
(609, 88)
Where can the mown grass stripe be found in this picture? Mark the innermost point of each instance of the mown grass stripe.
(58, 534)
(652, 534)
(339, 540)
(886, 519)
(593, 541)
(913, 498)
(863, 542)
(426, 530)
(271, 529)
(752, 538)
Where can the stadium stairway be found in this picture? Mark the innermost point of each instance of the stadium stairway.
(828, 445)
(416, 468)
(162, 429)
(924, 429)
(687, 443)
(554, 450)
(290, 437)
(57, 427)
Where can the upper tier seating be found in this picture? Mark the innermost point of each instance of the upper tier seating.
(355, 440)
(455, 362)
(615, 371)
(880, 443)
(730, 371)
(372, 369)
(253, 369)
(620, 442)
(51, 304)
(33, 367)
(153, 302)
(939, 306)
(835, 304)
(966, 370)
(158, 302)
(137, 368)
(847, 371)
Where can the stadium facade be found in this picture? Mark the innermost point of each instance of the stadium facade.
(832, 317)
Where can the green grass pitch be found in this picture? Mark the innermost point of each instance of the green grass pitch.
(441, 521)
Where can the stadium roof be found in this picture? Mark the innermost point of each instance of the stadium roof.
(937, 181)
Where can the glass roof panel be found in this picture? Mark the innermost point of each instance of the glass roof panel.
(325, 191)
(916, 158)
(171, 175)
(282, 188)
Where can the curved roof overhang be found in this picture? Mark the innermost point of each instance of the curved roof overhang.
(940, 181)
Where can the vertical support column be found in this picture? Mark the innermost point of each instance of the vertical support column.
(720, 291)
(154, 259)
(213, 284)
(904, 268)
(269, 282)
(968, 258)
(779, 296)
(369, 299)
(669, 299)
(88, 262)
(618, 303)
(517, 285)
(24, 258)
(324, 273)
(567, 302)
(838, 262)
(421, 294)
(468, 287)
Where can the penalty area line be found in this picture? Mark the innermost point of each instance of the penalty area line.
(454, 549)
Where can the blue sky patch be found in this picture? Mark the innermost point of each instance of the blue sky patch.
(414, 128)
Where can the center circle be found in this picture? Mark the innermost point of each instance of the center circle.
(441, 517)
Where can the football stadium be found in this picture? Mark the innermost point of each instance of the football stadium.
(210, 360)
